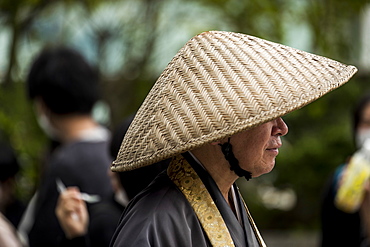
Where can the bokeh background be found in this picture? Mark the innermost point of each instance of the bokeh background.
(131, 41)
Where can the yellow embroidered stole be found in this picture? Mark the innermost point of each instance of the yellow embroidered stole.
(188, 181)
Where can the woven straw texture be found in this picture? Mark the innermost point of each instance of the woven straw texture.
(221, 83)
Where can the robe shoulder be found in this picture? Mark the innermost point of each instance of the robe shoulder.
(160, 216)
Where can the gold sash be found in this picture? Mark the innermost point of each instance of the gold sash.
(188, 181)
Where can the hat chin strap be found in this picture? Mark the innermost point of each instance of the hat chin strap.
(227, 150)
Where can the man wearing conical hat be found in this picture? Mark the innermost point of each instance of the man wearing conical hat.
(216, 112)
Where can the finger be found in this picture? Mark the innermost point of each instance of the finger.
(67, 205)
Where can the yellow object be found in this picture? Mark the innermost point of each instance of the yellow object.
(351, 186)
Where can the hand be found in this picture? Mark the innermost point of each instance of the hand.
(365, 210)
(72, 213)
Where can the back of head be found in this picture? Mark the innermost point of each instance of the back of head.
(64, 81)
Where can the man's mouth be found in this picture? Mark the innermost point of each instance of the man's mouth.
(274, 148)
(273, 151)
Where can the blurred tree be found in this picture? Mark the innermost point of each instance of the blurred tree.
(261, 18)
(17, 23)
(125, 90)
(18, 16)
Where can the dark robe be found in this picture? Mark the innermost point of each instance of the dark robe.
(161, 216)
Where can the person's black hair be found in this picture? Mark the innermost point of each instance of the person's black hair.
(64, 81)
(9, 165)
(358, 112)
(136, 180)
(118, 135)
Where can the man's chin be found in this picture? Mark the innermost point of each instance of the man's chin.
(266, 170)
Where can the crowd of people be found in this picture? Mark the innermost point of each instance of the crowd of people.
(166, 176)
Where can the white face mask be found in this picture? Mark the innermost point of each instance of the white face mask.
(47, 127)
(361, 137)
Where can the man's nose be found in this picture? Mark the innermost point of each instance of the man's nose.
(280, 128)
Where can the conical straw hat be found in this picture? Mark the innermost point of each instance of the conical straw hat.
(221, 83)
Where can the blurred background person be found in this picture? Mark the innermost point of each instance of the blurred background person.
(11, 208)
(10, 205)
(103, 219)
(8, 234)
(340, 228)
(64, 88)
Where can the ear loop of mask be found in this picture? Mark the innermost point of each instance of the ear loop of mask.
(226, 149)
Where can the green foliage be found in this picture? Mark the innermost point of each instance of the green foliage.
(19, 128)
(256, 17)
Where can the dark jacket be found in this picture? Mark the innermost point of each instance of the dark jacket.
(82, 164)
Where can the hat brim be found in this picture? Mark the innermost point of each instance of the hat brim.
(219, 84)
